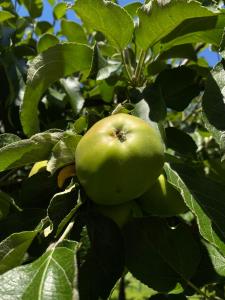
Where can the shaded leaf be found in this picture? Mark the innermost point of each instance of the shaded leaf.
(204, 197)
(21, 221)
(158, 255)
(178, 87)
(108, 18)
(180, 142)
(100, 257)
(61, 204)
(213, 104)
(34, 7)
(56, 62)
(5, 202)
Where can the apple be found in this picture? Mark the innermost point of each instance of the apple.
(162, 199)
(121, 213)
(118, 159)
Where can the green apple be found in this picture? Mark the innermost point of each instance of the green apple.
(162, 199)
(118, 159)
(121, 213)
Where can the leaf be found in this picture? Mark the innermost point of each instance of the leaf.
(198, 30)
(13, 249)
(46, 41)
(158, 18)
(63, 152)
(59, 10)
(132, 8)
(178, 87)
(74, 32)
(5, 202)
(158, 255)
(153, 96)
(180, 142)
(100, 257)
(49, 277)
(5, 15)
(108, 18)
(34, 7)
(213, 104)
(43, 27)
(73, 89)
(8, 138)
(199, 192)
(21, 221)
(217, 259)
(56, 62)
(61, 204)
(28, 151)
(180, 51)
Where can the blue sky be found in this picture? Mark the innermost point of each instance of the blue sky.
(211, 56)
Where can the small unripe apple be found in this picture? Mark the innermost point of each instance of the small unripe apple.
(118, 159)
(121, 213)
(162, 199)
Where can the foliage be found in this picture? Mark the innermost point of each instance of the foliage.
(60, 77)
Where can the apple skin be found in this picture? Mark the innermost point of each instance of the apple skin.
(162, 199)
(118, 159)
(121, 213)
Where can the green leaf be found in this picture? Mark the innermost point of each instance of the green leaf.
(46, 41)
(34, 7)
(158, 18)
(72, 87)
(158, 255)
(213, 105)
(63, 152)
(199, 192)
(56, 62)
(198, 30)
(13, 249)
(60, 10)
(217, 259)
(73, 31)
(132, 8)
(49, 277)
(28, 151)
(108, 18)
(5, 15)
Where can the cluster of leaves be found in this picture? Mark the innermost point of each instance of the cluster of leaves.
(55, 84)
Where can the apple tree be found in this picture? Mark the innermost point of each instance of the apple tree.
(163, 236)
